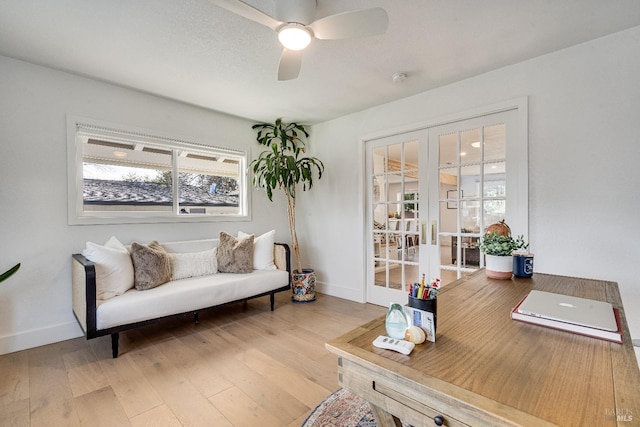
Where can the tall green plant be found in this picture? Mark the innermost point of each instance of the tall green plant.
(283, 167)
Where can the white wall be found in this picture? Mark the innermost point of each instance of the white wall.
(583, 141)
(584, 174)
(35, 304)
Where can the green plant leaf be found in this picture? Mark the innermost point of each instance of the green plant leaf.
(4, 276)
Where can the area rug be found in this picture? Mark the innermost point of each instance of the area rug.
(341, 409)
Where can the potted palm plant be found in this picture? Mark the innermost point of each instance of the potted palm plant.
(498, 246)
(283, 166)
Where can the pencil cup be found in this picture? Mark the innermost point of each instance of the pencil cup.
(430, 305)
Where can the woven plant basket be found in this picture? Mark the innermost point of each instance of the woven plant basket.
(303, 285)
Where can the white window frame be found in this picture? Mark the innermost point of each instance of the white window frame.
(79, 127)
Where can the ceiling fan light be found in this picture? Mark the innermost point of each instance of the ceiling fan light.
(294, 36)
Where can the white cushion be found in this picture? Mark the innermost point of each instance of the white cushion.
(114, 269)
(262, 250)
(182, 296)
(193, 264)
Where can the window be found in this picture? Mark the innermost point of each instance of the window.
(121, 176)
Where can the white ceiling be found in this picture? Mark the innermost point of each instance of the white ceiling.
(196, 52)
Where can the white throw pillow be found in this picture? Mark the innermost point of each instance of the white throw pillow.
(114, 269)
(193, 264)
(262, 250)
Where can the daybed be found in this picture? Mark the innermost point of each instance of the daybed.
(107, 301)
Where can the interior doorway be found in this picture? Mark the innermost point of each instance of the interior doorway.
(430, 193)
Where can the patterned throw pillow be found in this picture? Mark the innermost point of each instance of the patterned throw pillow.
(151, 265)
(235, 255)
(193, 264)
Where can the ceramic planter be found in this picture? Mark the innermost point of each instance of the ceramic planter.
(303, 285)
(499, 267)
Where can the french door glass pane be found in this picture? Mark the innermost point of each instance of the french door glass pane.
(448, 147)
(495, 142)
(470, 142)
(470, 216)
(494, 211)
(380, 160)
(470, 181)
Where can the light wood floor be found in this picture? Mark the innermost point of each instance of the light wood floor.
(237, 367)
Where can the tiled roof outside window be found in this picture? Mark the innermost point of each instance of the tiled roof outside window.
(104, 192)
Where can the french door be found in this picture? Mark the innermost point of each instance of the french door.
(471, 185)
(432, 192)
(394, 205)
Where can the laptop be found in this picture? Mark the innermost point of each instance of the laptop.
(568, 309)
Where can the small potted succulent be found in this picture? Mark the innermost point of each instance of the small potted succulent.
(498, 246)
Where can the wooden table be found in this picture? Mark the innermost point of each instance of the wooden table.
(486, 369)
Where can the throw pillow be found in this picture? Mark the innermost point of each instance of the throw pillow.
(262, 250)
(233, 255)
(193, 264)
(114, 270)
(151, 265)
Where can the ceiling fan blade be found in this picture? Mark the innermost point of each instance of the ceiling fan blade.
(358, 23)
(290, 63)
(249, 12)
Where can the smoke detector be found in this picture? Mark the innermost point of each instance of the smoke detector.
(399, 77)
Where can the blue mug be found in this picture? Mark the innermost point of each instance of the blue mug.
(523, 265)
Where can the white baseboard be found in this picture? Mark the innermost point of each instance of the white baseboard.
(65, 331)
(38, 337)
(351, 294)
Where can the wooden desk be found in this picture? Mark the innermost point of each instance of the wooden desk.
(488, 370)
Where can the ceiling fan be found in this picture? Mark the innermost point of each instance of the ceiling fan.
(297, 25)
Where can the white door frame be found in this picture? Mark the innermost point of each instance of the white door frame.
(521, 202)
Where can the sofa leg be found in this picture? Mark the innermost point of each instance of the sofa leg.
(272, 298)
(196, 317)
(114, 344)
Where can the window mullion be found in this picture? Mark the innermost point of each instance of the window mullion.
(175, 182)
